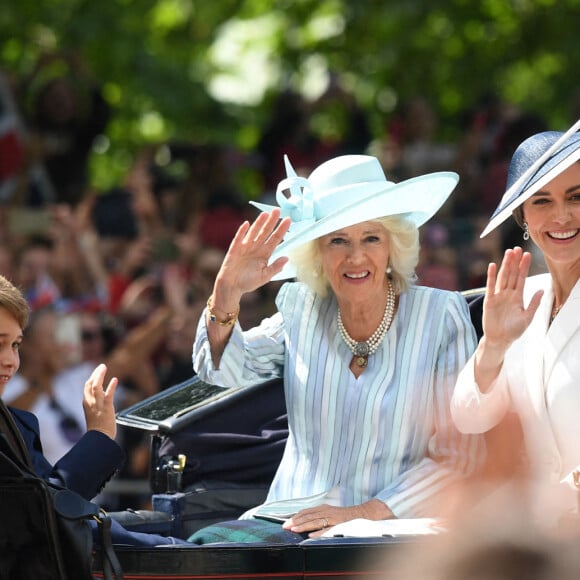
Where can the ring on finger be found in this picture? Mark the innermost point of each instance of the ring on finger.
(324, 523)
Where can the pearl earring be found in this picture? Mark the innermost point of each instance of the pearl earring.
(526, 234)
(389, 269)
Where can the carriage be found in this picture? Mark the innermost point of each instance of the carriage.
(185, 418)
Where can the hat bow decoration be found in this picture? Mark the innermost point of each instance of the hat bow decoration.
(299, 206)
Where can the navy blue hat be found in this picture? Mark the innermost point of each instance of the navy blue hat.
(537, 161)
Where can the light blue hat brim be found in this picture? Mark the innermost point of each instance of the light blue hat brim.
(416, 200)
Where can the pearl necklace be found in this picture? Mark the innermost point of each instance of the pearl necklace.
(363, 349)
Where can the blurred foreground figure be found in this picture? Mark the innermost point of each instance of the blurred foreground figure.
(497, 541)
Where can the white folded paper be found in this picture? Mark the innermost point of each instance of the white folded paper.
(361, 528)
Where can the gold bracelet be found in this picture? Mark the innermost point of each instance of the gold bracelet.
(231, 317)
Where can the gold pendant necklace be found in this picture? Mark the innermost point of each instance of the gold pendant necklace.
(362, 349)
(362, 361)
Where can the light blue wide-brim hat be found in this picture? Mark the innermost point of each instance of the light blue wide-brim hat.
(536, 161)
(349, 190)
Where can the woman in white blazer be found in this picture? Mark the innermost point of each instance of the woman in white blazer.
(528, 359)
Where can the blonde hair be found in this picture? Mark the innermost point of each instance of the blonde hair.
(403, 238)
(13, 301)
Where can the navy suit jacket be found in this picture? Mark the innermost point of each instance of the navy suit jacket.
(86, 468)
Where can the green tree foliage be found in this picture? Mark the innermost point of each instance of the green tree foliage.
(204, 71)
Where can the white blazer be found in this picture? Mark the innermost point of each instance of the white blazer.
(542, 364)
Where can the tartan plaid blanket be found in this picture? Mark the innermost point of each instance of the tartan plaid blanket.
(245, 531)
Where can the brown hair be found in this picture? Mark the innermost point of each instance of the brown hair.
(13, 301)
(518, 215)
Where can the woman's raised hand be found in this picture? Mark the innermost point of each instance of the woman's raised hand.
(245, 267)
(505, 317)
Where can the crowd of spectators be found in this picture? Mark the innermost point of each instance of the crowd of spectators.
(121, 276)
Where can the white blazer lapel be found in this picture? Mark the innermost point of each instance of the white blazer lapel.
(565, 325)
(533, 367)
(534, 350)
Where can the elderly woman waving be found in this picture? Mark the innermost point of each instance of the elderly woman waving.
(368, 358)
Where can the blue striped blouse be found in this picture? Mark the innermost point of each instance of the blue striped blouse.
(386, 434)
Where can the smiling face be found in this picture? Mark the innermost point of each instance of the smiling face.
(355, 261)
(553, 218)
(10, 341)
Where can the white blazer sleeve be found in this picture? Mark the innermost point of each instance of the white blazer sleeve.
(473, 411)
